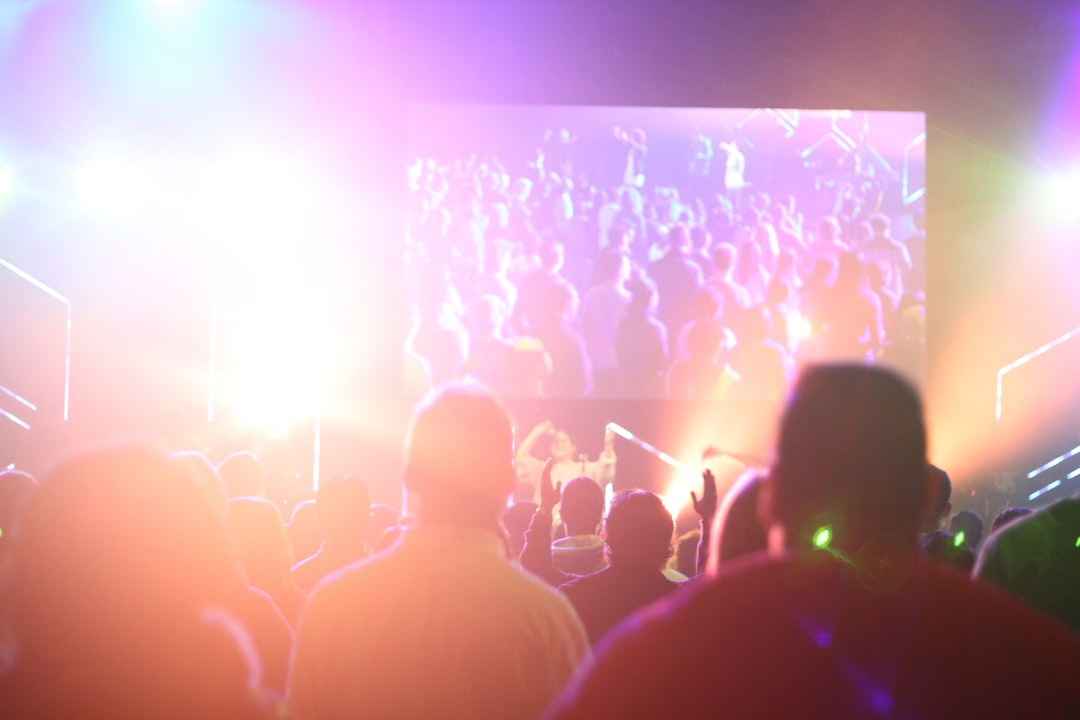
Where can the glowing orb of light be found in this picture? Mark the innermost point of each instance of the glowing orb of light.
(110, 187)
(798, 327)
(822, 537)
(1060, 197)
(7, 183)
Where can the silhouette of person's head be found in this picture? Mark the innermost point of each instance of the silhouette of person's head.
(260, 537)
(968, 525)
(460, 457)
(563, 447)
(582, 506)
(120, 567)
(642, 295)
(343, 508)
(950, 549)
(851, 459)
(242, 474)
(723, 257)
(738, 527)
(204, 473)
(305, 535)
(1008, 515)
(515, 521)
(638, 530)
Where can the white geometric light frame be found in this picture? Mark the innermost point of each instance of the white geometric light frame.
(39, 285)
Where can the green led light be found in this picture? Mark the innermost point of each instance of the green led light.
(959, 539)
(1078, 542)
(823, 537)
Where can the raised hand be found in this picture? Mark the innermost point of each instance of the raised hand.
(705, 507)
(550, 493)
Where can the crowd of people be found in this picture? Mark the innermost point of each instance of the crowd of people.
(834, 583)
(553, 277)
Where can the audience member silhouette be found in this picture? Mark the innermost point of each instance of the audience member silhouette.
(1007, 515)
(305, 536)
(602, 310)
(262, 542)
(845, 617)
(638, 531)
(704, 374)
(343, 510)
(121, 586)
(515, 521)
(968, 525)
(949, 548)
(641, 344)
(552, 323)
(581, 550)
(441, 624)
(1037, 559)
(677, 280)
(739, 530)
(243, 475)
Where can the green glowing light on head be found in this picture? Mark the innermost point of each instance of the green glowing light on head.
(959, 539)
(823, 537)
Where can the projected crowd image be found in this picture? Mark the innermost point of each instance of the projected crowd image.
(679, 253)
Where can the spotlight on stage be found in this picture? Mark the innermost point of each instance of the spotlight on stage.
(110, 187)
(687, 478)
(1060, 197)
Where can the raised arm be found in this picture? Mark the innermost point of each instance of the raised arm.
(536, 555)
(525, 447)
(705, 507)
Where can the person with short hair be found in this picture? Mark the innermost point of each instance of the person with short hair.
(844, 617)
(441, 624)
(638, 532)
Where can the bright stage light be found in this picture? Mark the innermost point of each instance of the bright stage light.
(110, 187)
(259, 198)
(1060, 197)
(798, 326)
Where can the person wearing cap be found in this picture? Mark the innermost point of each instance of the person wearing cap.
(441, 624)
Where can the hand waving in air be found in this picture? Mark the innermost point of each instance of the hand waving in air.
(706, 506)
(550, 493)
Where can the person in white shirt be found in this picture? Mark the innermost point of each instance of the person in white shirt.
(567, 462)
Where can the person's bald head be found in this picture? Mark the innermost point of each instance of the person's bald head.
(460, 455)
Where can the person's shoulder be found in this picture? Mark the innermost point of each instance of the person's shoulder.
(577, 584)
